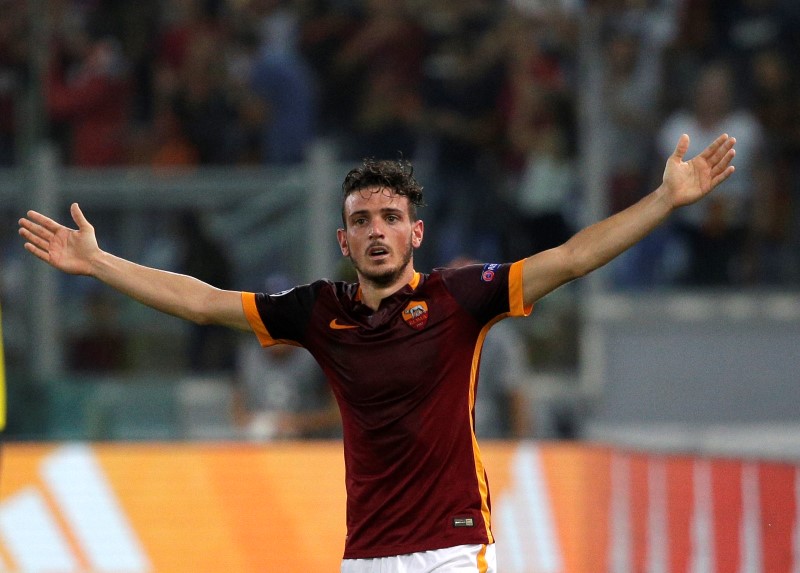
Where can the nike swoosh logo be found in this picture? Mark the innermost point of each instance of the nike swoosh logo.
(336, 326)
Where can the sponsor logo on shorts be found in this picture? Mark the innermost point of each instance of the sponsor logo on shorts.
(463, 522)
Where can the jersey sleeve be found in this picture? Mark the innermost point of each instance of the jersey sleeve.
(488, 291)
(281, 318)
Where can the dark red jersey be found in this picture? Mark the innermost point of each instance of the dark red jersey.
(405, 378)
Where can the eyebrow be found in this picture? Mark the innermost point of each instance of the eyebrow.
(382, 211)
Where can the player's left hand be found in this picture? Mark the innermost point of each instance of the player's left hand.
(688, 181)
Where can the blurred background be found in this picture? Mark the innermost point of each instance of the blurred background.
(211, 137)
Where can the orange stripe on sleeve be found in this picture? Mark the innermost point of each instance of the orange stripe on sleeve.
(251, 312)
(516, 299)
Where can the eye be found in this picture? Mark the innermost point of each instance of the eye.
(392, 218)
(360, 221)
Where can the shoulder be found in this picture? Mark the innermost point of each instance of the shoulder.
(484, 289)
(306, 294)
(473, 273)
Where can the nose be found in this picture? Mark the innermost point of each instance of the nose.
(375, 231)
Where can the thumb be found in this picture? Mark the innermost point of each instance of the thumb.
(682, 147)
(78, 217)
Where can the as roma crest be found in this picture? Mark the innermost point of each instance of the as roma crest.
(416, 314)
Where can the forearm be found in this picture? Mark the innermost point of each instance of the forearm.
(683, 183)
(601, 242)
(593, 247)
(176, 294)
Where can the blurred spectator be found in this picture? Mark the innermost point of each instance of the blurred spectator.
(776, 102)
(461, 128)
(696, 38)
(631, 97)
(88, 95)
(539, 131)
(502, 408)
(191, 77)
(285, 85)
(381, 61)
(281, 392)
(211, 348)
(545, 196)
(717, 231)
(204, 106)
(479, 94)
(748, 27)
(171, 146)
(633, 42)
(13, 53)
(536, 92)
(101, 347)
(324, 29)
(182, 24)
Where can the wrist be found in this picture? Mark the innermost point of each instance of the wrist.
(665, 198)
(99, 264)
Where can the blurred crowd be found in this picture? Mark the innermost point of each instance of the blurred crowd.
(494, 102)
(485, 96)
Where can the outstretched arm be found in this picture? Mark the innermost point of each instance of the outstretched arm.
(684, 183)
(75, 251)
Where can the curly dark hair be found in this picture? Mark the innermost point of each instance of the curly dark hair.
(395, 175)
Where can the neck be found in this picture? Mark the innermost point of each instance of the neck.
(373, 293)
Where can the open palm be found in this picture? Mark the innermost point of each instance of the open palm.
(66, 249)
(689, 181)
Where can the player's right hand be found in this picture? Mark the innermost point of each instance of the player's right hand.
(69, 250)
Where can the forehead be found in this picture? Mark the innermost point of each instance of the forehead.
(374, 198)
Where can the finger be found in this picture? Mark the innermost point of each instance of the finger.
(723, 163)
(35, 240)
(682, 147)
(709, 152)
(35, 229)
(723, 176)
(722, 149)
(44, 221)
(78, 217)
(37, 252)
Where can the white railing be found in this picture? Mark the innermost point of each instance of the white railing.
(268, 219)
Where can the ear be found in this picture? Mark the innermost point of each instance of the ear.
(417, 231)
(341, 236)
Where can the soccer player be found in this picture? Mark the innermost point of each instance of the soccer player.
(400, 349)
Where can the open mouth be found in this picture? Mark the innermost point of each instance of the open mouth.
(377, 252)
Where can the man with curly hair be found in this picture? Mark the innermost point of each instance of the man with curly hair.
(400, 349)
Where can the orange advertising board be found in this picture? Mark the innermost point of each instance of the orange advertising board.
(558, 508)
(178, 508)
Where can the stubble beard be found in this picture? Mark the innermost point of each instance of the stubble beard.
(386, 277)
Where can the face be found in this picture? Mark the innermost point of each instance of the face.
(380, 236)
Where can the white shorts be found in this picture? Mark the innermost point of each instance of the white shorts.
(458, 559)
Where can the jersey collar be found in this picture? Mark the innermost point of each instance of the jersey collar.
(414, 283)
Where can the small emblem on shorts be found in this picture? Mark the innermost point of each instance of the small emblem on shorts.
(489, 270)
(463, 522)
(416, 314)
